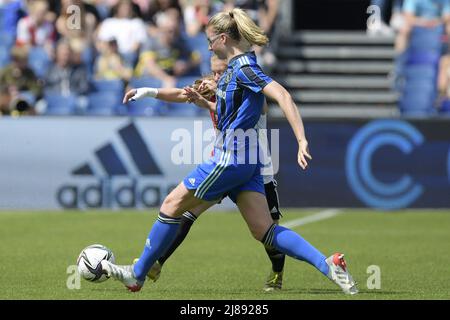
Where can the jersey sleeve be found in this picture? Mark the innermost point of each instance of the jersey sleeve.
(253, 78)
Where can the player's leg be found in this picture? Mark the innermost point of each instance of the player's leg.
(186, 221)
(165, 229)
(161, 235)
(275, 279)
(197, 188)
(255, 211)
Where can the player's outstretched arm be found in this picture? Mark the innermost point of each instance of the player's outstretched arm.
(165, 94)
(277, 92)
(196, 98)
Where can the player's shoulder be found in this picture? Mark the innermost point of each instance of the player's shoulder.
(244, 60)
(247, 67)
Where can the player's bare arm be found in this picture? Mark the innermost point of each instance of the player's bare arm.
(277, 92)
(165, 94)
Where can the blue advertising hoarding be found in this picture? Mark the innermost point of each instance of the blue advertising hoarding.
(384, 164)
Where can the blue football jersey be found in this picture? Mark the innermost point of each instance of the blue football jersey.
(239, 97)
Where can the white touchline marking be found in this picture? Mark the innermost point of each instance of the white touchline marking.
(321, 215)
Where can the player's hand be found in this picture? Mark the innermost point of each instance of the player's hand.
(211, 85)
(303, 153)
(130, 95)
(192, 95)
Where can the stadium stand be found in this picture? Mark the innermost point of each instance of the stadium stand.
(419, 89)
(338, 73)
(330, 73)
(60, 105)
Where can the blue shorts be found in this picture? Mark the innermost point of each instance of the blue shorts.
(220, 176)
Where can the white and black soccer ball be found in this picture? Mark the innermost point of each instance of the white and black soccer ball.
(88, 262)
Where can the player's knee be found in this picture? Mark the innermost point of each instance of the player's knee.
(169, 205)
(258, 233)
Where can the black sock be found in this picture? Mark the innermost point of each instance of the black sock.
(187, 219)
(276, 257)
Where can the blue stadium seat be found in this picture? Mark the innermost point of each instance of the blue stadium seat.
(418, 99)
(199, 43)
(116, 86)
(5, 57)
(183, 110)
(39, 61)
(423, 57)
(445, 106)
(145, 107)
(145, 82)
(186, 81)
(103, 103)
(60, 105)
(88, 59)
(7, 39)
(420, 72)
(426, 39)
(130, 59)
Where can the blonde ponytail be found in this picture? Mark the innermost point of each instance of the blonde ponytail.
(237, 24)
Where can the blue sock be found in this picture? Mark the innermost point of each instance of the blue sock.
(160, 237)
(292, 244)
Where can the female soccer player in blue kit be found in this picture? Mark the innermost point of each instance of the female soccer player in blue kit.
(208, 84)
(232, 170)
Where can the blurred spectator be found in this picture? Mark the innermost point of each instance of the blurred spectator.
(422, 13)
(5, 100)
(444, 78)
(13, 106)
(158, 7)
(18, 76)
(35, 30)
(66, 77)
(12, 11)
(129, 31)
(196, 14)
(397, 19)
(105, 7)
(144, 5)
(88, 22)
(264, 13)
(167, 56)
(109, 64)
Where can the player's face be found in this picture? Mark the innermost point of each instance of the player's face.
(218, 67)
(216, 43)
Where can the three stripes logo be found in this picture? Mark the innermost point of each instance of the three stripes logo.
(112, 163)
(126, 176)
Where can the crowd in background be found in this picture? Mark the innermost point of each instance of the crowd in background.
(422, 65)
(66, 57)
(69, 51)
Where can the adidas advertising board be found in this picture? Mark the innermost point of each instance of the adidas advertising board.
(80, 163)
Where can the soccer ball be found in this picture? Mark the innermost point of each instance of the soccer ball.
(88, 262)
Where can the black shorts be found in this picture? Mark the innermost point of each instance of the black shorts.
(272, 199)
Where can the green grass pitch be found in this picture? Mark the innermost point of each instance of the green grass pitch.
(220, 259)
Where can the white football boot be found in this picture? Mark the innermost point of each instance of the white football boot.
(339, 274)
(124, 274)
